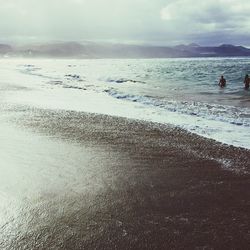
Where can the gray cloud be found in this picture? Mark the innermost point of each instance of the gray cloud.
(159, 21)
(213, 19)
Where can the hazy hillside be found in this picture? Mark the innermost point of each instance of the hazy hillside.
(105, 50)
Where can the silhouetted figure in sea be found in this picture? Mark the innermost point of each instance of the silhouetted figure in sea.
(247, 81)
(222, 82)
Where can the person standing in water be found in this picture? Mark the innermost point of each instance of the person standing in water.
(247, 81)
(222, 82)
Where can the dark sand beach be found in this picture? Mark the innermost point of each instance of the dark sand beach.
(114, 183)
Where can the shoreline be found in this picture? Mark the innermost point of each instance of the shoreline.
(122, 183)
(44, 85)
(45, 119)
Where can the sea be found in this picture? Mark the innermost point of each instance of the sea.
(179, 92)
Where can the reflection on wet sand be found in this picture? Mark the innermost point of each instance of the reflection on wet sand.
(71, 180)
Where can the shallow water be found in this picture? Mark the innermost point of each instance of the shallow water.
(182, 92)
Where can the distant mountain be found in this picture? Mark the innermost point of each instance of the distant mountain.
(224, 50)
(4, 49)
(194, 45)
(107, 50)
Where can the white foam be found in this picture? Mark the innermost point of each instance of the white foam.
(94, 100)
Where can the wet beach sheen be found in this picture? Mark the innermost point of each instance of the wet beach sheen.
(73, 180)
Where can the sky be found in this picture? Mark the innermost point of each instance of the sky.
(162, 22)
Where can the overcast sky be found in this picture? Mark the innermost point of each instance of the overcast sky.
(208, 22)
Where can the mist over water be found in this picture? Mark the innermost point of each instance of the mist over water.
(182, 92)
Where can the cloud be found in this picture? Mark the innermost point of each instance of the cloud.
(208, 16)
(79, 19)
(160, 21)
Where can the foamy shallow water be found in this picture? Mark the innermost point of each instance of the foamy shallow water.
(164, 91)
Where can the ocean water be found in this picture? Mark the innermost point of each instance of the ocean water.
(180, 92)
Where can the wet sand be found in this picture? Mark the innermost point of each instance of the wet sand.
(72, 180)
